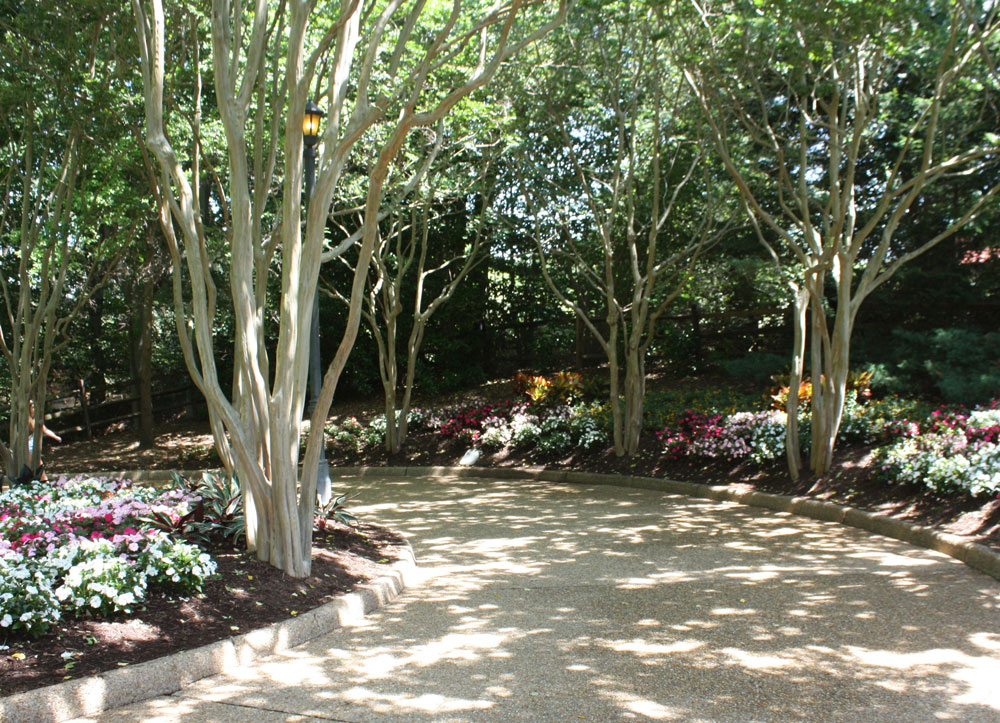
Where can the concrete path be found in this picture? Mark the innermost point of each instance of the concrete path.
(550, 602)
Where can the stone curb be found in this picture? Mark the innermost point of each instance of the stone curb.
(976, 556)
(163, 676)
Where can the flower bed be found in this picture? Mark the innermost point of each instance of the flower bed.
(80, 547)
(946, 450)
(759, 436)
(953, 450)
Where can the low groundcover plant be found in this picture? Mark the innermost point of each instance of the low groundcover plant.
(79, 547)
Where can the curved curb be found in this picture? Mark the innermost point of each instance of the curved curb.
(973, 554)
(163, 676)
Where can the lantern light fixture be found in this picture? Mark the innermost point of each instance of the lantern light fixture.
(310, 123)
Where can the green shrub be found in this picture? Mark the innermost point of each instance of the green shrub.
(757, 368)
(960, 366)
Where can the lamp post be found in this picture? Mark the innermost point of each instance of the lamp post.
(310, 136)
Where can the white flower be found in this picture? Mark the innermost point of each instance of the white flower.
(95, 602)
(66, 655)
(62, 593)
(25, 617)
(6, 621)
(31, 590)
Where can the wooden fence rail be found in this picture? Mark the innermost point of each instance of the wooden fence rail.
(76, 413)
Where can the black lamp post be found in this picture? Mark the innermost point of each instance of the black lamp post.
(310, 136)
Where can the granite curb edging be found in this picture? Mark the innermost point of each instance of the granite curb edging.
(973, 554)
(977, 556)
(164, 676)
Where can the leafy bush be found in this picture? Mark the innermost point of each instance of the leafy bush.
(27, 601)
(589, 425)
(497, 434)
(454, 421)
(97, 580)
(221, 508)
(550, 431)
(561, 388)
(354, 436)
(959, 365)
(525, 430)
(554, 433)
(757, 368)
(779, 399)
(858, 388)
(665, 408)
(335, 510)
(346, 435)
(759, 436)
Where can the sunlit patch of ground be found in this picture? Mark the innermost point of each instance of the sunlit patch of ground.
(179, 445)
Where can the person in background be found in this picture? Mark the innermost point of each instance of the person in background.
(26, 473)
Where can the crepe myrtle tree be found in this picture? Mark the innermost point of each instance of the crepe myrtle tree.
(33, 298)
(50, 264)
(620, 197)
(802, 102)
(382, 70)
(407, 275)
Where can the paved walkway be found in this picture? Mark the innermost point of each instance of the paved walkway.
(550, 602)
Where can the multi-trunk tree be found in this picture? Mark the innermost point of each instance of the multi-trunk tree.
(413, 276)
(52, 258)
(614, 178)
(382, 70)
(832, 119)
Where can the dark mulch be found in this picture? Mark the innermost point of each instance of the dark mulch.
(245, 595)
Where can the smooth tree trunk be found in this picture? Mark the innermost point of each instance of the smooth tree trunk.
(830, 224)
(800, 316)
(263, 74)
(640, 244)
(147, 437)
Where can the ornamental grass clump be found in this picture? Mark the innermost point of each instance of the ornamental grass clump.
(79, 547)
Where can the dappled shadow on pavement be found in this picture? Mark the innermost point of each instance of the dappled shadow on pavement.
(558, 602)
